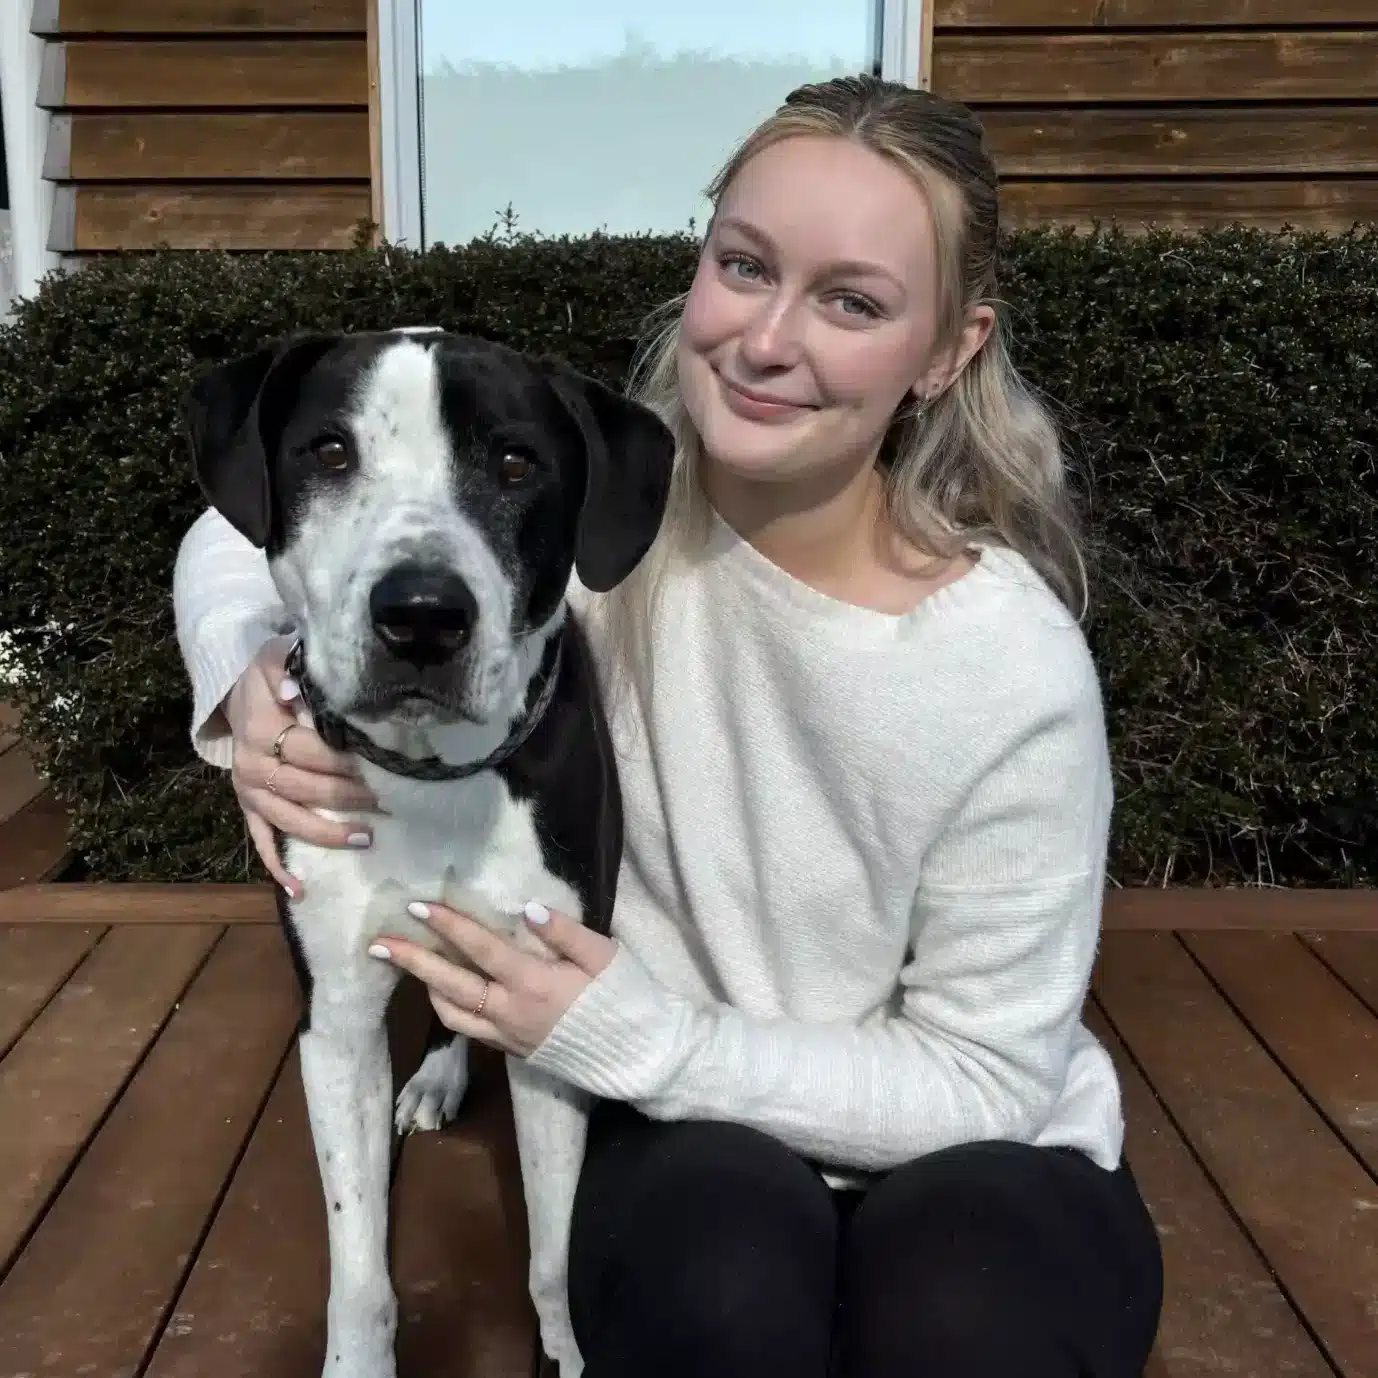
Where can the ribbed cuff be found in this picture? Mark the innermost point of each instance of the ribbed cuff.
(215, 663)
(623, 1038)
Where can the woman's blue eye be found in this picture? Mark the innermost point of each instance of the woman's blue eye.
(732, 261)
(748, 270)
(858, 306)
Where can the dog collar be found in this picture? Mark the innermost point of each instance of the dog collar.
(340, 735)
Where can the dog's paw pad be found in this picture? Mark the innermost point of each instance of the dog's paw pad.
(431, 1099)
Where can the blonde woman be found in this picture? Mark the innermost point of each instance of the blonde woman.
(846, 1117)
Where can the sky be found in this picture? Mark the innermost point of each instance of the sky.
(546, 33)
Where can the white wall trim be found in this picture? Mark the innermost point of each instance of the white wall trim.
(902, 41)
(26, 136)
(399, 118)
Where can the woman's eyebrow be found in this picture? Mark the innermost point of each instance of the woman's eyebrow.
(747, 230)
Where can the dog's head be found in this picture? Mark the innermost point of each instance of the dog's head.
(423, 498)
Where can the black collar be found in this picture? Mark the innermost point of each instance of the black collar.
(341, 735)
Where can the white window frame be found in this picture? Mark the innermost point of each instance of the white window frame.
(905, 41)
(903, 48)
(26, 138)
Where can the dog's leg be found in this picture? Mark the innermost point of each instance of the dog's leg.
(347, 1074)
(431, 1099)
(551, 1122)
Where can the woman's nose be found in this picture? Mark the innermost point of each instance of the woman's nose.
(772, 336)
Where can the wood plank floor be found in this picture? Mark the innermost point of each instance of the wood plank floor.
(160, 1213)
(33, 825)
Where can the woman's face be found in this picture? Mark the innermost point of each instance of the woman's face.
(813, 313)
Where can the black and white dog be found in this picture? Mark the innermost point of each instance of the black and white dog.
(422, 498)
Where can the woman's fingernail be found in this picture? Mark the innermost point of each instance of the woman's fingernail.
(378, 950)
(537, 913)
(360, 840)
(292, 890)
(418, 910)
(289, 690)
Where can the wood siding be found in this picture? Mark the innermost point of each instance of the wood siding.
(199, 125)
(252, 124)
(1183, 113)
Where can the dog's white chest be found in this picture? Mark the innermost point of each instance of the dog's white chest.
(468, 844)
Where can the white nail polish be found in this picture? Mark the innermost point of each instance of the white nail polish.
(537, 913)
(418, 910)
(360, 840)
(290, 689)
(378, 950)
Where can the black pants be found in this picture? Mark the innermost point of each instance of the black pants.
(709, 1249)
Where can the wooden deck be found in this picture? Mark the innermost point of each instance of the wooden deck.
(33, 825)
(160, 1215)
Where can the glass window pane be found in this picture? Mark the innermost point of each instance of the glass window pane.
(608, 114)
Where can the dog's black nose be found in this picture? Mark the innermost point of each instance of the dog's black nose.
(422, 614)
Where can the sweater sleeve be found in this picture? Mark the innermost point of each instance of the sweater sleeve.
(226, 606)
(1004, 929)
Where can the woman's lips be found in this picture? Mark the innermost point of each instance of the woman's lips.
(759, 406)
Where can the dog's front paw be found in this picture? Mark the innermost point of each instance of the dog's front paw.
(431, 1099)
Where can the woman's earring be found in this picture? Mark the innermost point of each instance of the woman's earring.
(913, 409)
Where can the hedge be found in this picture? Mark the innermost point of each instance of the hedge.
(1219, 393)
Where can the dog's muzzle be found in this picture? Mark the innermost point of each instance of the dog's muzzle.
(341, 735)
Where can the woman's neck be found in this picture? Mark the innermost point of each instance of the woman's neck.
(822, 531)
(834, 533)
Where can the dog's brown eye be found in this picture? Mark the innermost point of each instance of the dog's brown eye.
(516, 467)
(331, 452)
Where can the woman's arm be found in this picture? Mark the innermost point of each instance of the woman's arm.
(226, 607)
(1004, 934)
(228, 612)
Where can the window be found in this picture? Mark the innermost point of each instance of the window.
(557, 118)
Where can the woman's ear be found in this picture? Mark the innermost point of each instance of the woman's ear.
(980, 322)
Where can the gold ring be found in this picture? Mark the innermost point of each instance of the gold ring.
(271, 786)
(277, 741)
(482, 1000)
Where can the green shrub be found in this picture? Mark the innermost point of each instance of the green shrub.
(1220, 394)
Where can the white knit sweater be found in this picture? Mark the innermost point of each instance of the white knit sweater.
(865, 855)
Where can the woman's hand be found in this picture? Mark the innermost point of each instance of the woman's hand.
(516, 997)
(306, 775)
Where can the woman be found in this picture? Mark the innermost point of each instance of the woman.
(847, 1119)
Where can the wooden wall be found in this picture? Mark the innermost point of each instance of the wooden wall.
(245, 124)
(239, 124)
(1186, 113)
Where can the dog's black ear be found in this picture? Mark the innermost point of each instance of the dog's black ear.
(630, 458)
(233, 416)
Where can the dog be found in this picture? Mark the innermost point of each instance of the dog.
(423, 499)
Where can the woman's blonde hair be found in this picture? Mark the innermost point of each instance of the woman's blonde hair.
(983, 461)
